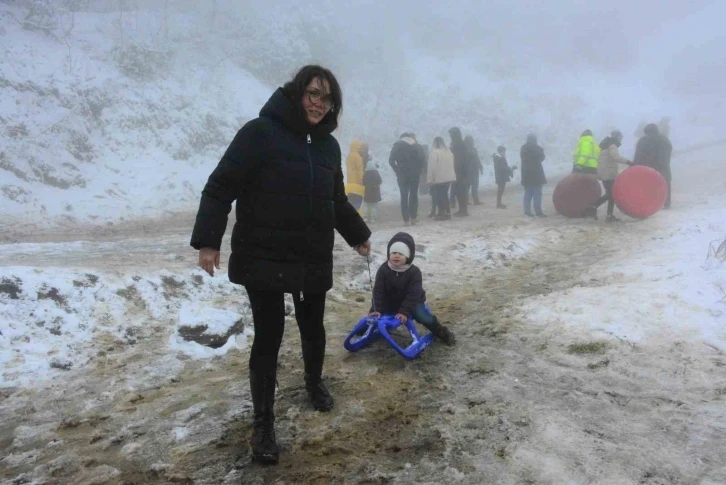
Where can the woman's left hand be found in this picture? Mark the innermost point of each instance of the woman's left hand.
(364, 249)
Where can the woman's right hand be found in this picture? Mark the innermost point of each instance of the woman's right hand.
(209, 259)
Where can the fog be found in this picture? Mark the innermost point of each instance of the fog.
(166, 83)
(629, 62)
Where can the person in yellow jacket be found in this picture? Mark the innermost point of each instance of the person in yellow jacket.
(355, 162)
(586, 154)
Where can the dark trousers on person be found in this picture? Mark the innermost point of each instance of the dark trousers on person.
(668, 197)
(608, 197)
(533, 193)
(454, 195)
(475, 189)
(500, 193)
(422, 315)
(440, 199)
(409, 197)
(462, 186)
(268, 315)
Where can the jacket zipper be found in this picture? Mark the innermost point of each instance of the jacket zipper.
(310, 210)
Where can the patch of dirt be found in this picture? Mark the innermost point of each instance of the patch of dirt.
(45, 293)
(89, 281)
(197, 334)
(11, 287)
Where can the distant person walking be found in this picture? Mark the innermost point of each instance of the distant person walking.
(654, 150)
(462, 168)
(607, 171)
(533, 176)
(503, 173)
(476, 169)
(440, 175)
(407, 162)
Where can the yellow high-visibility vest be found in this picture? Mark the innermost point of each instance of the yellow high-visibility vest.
(587, 152)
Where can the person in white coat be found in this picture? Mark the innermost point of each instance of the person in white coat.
(607, 170)
(440, 176)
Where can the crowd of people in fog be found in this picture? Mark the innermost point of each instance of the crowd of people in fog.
(451, 173)
(284, 171)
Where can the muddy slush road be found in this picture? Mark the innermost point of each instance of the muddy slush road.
(510, 404)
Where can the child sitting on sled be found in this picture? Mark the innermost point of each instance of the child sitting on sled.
(399, 289)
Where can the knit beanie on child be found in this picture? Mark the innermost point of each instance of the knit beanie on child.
(401, 248)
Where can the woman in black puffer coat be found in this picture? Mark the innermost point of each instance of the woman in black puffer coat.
(284, 171)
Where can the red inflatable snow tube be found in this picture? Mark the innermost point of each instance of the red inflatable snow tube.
(640, 191)
(575, 193)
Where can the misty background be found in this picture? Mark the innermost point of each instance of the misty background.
(121, 108)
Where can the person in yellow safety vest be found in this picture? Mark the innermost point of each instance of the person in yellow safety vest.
(355, 162)
(586, 154)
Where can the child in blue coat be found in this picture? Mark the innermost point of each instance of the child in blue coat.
(399, 289)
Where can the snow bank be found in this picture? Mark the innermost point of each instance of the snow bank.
(663, 290)
(55, 320)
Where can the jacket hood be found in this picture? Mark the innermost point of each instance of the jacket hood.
(281, 108)
(357, 146)
(605, 144)
(531, 139)
(651, 129)
(407, 239)
(455, 134)
(409, 140)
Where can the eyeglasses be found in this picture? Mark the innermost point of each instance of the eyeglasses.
(317, 97)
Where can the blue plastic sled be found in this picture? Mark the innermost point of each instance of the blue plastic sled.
(370, 329)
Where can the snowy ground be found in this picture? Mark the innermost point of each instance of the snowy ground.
(588, 353)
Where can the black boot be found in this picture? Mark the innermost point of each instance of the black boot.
(442, 333)
(264, 445)
(313, 357)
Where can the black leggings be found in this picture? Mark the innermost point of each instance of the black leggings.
(268, 313)
(440, 196)
(608, 197)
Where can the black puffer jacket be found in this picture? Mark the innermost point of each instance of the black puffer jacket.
(398, 292)
(287, 179)
(502, 171)
(407, 159)
(654, 150)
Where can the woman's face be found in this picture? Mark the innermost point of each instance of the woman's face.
(317, 101)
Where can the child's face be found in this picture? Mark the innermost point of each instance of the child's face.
(397, 259)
